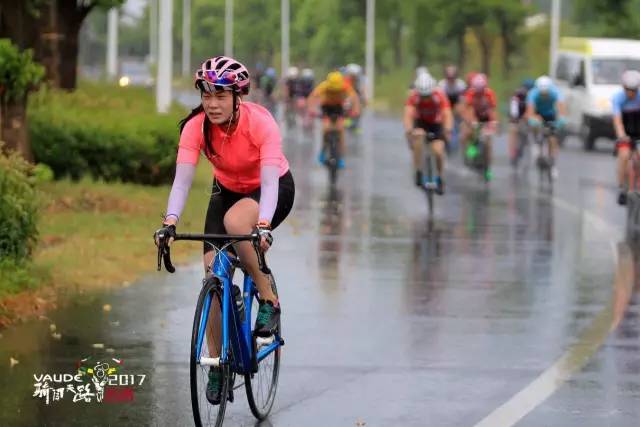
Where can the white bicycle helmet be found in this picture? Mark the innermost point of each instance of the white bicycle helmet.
(425, 84)
(544, 83)
(631, 79)
(307, 73)
(292, 72)
(354, 69)
(422, 70)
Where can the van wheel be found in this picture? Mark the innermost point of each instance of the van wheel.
(587, 135)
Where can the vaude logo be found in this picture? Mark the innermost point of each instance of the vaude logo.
(95, 381)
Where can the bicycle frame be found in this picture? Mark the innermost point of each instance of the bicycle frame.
(246, 360)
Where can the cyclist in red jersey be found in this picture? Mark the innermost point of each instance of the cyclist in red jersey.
(427, 110)
(479, 108)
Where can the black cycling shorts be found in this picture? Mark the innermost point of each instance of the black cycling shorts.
(549, 118)
(222, 199)
(333, 110)
(434, 128)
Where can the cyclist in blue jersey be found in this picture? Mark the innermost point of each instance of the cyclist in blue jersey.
(626, 123)
(545, 103)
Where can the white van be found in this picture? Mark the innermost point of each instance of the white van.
(588, 72)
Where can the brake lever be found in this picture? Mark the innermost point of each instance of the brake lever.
(159, 256)
(262, 262)
(166, 256)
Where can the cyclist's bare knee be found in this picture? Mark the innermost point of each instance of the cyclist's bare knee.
(241, 217)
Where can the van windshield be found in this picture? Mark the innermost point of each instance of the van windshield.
(609, 71)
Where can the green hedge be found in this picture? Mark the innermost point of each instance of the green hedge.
(105, 132)
(19, 207)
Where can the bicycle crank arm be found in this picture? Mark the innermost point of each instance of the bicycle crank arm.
(261, 342)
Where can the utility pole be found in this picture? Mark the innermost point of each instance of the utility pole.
(165, 57)
(555, 35)
(284, 28)
(228, 28)
(112, 44)
(153, 31)
(186, 38)
(370, 59)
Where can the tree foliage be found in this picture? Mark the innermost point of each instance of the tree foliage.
(18, 73)
(608, 18)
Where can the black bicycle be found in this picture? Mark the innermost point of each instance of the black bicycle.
(331, 141)
(429, 183)
(544, 161)
(522, 153)
(223, 306)
(475, 156)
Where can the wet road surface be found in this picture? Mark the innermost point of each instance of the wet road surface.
(512, 306)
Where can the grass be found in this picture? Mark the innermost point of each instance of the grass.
(95, 235)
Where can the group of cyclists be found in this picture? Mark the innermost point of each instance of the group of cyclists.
(253, 188)
(453, 110)
(338, 99)
(437, 109)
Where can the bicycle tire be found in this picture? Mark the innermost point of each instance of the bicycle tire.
(253, 386)
(482, 165)
(429, 191)
(199, 374)
(332, 138)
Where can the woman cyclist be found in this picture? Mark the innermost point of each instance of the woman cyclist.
(252, 188)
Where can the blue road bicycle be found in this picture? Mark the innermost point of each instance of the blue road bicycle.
(222, 307)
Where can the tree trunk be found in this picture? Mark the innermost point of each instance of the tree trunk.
(68, 67)
(70, 18)
(396, 40)
(509, 36)
(50, 39)
(485, 41)
(462, 53)
(14, 128)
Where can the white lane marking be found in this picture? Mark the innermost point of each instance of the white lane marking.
(575, 358)
(572, 361)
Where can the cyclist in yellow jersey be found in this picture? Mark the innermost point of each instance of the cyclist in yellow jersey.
(331, 95)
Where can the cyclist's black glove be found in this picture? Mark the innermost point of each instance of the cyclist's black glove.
(165, 234)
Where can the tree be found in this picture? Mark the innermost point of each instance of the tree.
(50, 28)
(70, 16)
(19, 75)
(509, 17)
(608, 18)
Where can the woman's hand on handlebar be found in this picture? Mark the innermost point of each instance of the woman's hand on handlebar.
(263, 228)
(166, 233)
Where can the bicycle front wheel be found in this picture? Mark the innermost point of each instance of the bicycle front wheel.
(261, 386)
(204, 413)
(430, 181)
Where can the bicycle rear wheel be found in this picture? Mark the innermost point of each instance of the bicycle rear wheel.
(204, 413)
(261, 386)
